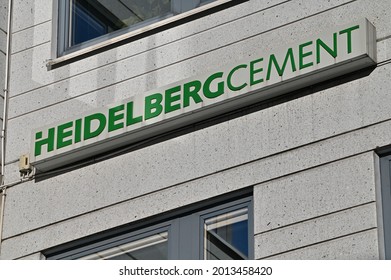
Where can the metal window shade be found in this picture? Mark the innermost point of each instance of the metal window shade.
(226, 219)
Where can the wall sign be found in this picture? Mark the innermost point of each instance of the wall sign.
(265, 75)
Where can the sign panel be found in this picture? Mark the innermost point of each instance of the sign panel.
(263, 76)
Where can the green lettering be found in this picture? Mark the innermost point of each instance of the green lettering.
(254, 71)
(78, 131)
(348, 32)
(332, 52)
(39, 142)
(113, 118)
(62, 134)
(190, 90)
(129, 115)
(101, 118)
(169, 98)
(220, 86)
(303, 54)
(153, 107)
(229, 81)
(273, 60)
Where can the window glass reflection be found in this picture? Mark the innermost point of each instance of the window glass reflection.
(226, 236)
(154, 247)
(90, 19)
(93, 18)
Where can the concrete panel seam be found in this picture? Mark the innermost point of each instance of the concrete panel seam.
(156, 47)
(234, 167)
(278, 153)
(12, 162)
(383, 38)
(380, 64)
(283, 25)
(34, 256)
(321, 242)
(32, 110)
(30, 27)
(304, 18)
(29, 48)
(385, 62)
(172, 187)
(314, 218)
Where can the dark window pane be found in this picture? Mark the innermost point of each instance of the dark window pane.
(85, 25)
(90, 19)
(93, 18)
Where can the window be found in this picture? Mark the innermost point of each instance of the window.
(221, 232)
(152, 247)
(385, 171)
(86, 23)
(226, 236)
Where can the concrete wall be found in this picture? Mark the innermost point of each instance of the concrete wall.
(3, 42)
(310, 160)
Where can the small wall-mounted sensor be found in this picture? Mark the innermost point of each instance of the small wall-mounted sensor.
(24, 165)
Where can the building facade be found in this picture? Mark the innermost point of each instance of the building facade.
(195, 129)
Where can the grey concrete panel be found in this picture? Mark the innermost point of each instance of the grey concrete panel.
(132, 210)
(243, 151)
(130, 49)
(259, 140)
(111, 83)
(374, 103)
(2, 73)
(3, 41)
(314, 192)
(360, 246)
(12, 172)
(132, 175)
(3, 15)
(180, 50)
(304, 234)
(32, 37)
(121, 80)
(27, 13)
(85, 225)
(243, 148)
(1, 106)
(384, 50)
